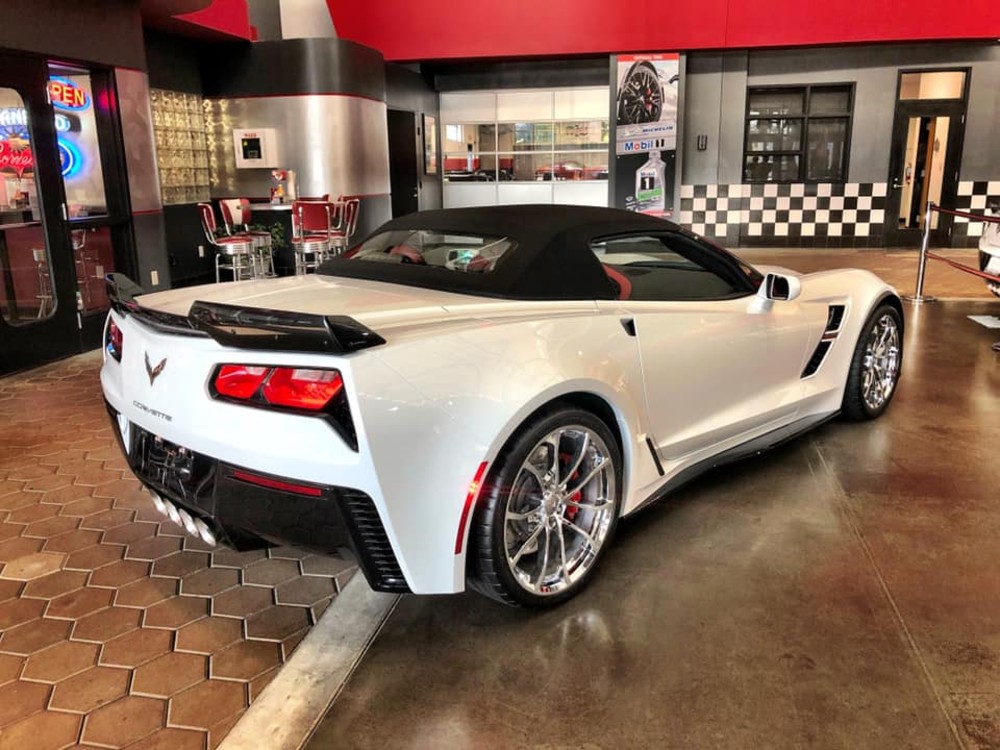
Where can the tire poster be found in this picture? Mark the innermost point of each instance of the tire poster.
(646, 132)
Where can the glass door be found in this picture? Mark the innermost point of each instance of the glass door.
(925, 155)
(38, 290)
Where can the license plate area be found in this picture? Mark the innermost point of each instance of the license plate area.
(172, 468)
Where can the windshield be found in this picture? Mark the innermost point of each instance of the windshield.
(465, 253)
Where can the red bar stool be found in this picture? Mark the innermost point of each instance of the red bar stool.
(346, 225)
(312, 226)
(236, 216)
(234, 252)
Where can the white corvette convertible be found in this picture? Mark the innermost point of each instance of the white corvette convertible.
(476, 396)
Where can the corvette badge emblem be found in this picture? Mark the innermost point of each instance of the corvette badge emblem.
(154, 372)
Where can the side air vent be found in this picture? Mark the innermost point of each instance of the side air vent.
(834, 320)
(371, 544)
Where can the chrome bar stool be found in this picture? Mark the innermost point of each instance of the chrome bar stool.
(312, 227)
(236, 216)
(234, 253)
(340, 238)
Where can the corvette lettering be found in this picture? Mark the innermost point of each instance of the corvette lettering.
(152, 412)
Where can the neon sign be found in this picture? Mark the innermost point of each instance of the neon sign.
(66, 95)
(14, 121)
(70, 158)
(16, 155)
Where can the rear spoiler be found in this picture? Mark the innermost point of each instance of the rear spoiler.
(248, 327)
(280, 330)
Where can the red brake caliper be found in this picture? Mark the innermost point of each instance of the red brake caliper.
(571, 510)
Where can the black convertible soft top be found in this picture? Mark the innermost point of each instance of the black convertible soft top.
(551, 261)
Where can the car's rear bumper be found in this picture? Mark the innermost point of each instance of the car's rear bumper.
(246, 508)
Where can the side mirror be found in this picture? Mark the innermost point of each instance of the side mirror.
(775, 287)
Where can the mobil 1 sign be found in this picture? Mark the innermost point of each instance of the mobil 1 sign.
(646, 131)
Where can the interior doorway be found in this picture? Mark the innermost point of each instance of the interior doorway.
(926, 152)
(404, 164)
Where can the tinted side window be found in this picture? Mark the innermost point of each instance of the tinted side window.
(665, 268)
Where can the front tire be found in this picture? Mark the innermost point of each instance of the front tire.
(875, 366)
(549, 510)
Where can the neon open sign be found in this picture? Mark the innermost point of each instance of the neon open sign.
(66, 95)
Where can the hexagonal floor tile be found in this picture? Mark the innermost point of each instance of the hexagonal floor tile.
(125, 721)
(119, 573)
(106, 624)
(90, 689)
(34, 636)
(20, 611)
(180, 564)
(153, 548)
(77, 604)
(33, 513)
(277, 623)
(52, 526)
(246, 660)
(88, 506)
(169, 674)
(210, 581)
(10, 667)
(48, 729)
(108, 519)
(61, 661)
(305, 590)
(12, 549)
(270, 572)
(136, 647)
(209, 635)
(55, 584)
(92, 558)
(130, 532)
(19, 700)
(175, 612)
(207, 701)
(33, 566)
(72, 541)
(242, 602)
(146, 591)
(172, 739)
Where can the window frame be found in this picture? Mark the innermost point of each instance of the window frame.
(695, 250)
(804, 118)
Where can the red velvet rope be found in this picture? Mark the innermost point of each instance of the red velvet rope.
(973, 217)
(967, 269)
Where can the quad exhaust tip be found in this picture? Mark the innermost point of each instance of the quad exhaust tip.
(193, 526)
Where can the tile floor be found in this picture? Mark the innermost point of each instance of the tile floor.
(116, 628)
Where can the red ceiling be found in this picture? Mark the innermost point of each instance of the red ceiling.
(443, 29)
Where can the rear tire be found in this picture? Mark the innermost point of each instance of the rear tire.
(548, 511)
(875, 366)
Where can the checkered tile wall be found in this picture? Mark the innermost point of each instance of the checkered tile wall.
(974, 197)
(799, 215)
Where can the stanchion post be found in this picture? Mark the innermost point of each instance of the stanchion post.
(918, 297)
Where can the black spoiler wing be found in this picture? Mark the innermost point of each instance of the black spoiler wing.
(248, 327)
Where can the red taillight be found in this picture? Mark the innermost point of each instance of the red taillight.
(289, 387)
(302, 389)
(115, 341)
(240, 381)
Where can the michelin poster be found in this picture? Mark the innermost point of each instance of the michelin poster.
(646, 132)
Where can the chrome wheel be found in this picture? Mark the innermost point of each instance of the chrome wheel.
(559, 510)
(641, 97)
(880, 367)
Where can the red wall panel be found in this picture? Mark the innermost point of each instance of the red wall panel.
(228, 17)
(442, 29)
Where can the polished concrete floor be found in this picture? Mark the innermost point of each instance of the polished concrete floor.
(840, 592)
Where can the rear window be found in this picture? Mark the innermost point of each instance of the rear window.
(465, 253)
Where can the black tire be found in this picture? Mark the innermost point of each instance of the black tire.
(636, 102)
(858, 404)
(490, 568)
